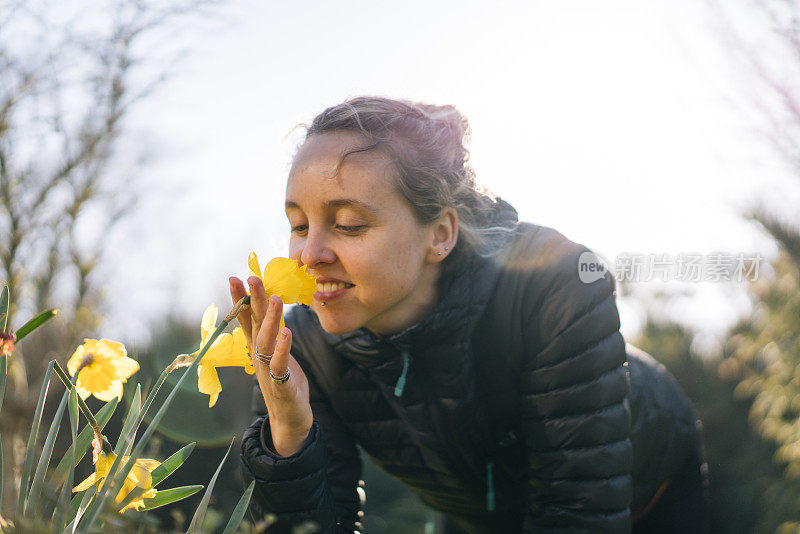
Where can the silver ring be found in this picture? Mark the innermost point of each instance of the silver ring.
(263, 358)
(279, 379)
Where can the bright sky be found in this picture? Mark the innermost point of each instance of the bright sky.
(611, 122)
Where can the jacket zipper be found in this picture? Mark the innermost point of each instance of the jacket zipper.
(401, 382)
(398, 392)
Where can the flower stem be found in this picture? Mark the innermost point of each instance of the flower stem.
(82, 405)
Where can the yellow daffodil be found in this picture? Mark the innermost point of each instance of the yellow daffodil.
(228, 350)
(138, 477)
(102, 367)
(284, 278)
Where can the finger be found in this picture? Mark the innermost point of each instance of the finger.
(238, 293)
(258, 308)
(269, 327)
(280, 357)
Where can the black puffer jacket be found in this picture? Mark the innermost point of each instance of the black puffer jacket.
(507, 407)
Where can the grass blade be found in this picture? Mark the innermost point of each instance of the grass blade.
(2, 478)
(169, 465)
(4, 299)
(47, 453)
(66, 490)
(130, 419)
(200, 513)
(35, 323)
(240, 510)
(86, 503)
(3, 370)
(84, 440)
(34, 436)
(169, 496)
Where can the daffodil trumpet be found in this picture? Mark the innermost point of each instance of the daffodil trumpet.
(118, 477)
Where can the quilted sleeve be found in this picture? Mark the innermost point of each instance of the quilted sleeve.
(318, 483)
(575, 412)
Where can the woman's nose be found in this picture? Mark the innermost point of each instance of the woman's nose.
(316, 250)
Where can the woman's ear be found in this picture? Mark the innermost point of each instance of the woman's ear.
(444, 235)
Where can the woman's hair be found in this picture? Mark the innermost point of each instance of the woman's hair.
(427, 144)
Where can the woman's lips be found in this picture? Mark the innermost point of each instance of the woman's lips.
(327, 296)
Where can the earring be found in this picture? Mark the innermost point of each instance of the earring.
(439, 253)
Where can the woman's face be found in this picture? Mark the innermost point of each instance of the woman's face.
(376, 265)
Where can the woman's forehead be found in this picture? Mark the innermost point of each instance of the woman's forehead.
(366, 175)
(326, 149)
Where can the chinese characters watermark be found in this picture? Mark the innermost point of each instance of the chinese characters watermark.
(683, 267)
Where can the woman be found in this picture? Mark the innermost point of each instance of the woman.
(457, 346)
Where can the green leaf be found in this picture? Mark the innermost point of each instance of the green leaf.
(169, 496)
(2, 478)
(34, 436)
(75, 503)
(35, 323)
(199, 514)
(130, 419)
(66, 489)
(172, 463)
(84, 440)
(84, 500)
(240, 510)
(47, 453)
(4, 300)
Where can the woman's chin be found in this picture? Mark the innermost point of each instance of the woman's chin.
(332, 326)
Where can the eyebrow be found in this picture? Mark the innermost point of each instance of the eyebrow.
(340, 203)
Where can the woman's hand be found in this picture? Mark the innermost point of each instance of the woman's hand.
(290, 415)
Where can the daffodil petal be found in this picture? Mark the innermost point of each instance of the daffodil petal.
(208, 380)
(208, 324)
(86, 484)
(219, 351)
(112, 349)
(136, 504)
(126, 367)
(252, 262)
(212, 400)
(279, 279)
(115, 390)
(148, 463)
(83, 393)
(142, 475)
(75, 360)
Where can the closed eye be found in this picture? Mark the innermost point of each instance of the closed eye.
(351, 229)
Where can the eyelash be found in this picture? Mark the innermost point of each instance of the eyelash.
(347, 229)
(351, 229)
